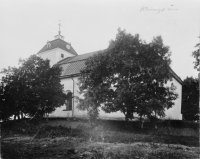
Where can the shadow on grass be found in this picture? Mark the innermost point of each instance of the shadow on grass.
(105, 131)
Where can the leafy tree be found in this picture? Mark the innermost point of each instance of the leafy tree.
(34, 88)
(190, 106)
(92, 94)
(196, 55)
(12, 93)
(128, 76)
(5, 112)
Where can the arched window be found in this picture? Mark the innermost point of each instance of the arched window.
(68, 101)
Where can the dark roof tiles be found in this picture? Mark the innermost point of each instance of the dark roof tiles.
(73, 65)
(58, 43)
(72, 68)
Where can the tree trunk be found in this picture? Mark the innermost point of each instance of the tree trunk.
(140, 118)
(18, 116)
(22, 115)
(126, 119)
(142, 123)
(47, 117)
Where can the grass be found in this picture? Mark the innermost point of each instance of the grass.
(109, 139)
(143, 151)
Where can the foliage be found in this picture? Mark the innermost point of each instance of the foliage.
(190, 106)
(32, 89)
(129, 76)
(196, 55)
(12, 90)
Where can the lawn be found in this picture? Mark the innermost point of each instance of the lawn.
(60, 138)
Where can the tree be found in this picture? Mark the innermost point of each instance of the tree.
(5, 112)
(34, 88)
(127, 76)
(12, 93)
(88, 86)
(191, 88)
(190, 106)
(196, 55)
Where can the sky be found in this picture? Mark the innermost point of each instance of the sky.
(27, 25)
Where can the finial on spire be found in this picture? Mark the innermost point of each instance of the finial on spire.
(59, 28)
(59, 36)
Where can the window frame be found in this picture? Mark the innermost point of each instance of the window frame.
(68, 102)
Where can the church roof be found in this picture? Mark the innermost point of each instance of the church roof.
(175, 76)
(77, 58)
(72, 65)
(58, 43)
(72, 68)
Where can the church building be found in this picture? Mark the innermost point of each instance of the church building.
(60, 52)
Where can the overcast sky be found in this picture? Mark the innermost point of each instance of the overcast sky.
(89, 26)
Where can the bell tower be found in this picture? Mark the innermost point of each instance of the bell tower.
(57, 49)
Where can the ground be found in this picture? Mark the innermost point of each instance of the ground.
(108, 139)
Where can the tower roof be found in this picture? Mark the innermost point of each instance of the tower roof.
(58, 43)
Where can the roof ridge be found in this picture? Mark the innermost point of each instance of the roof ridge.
(176, 76)
(59, 39)
(76, 56)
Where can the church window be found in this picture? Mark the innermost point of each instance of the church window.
(62, 55)
(172, 84)
(68, 102)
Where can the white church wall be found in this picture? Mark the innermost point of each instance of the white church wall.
(175, 111)
(172, 113)
(77, 112)
(59, 52)
(60, 112)
(83, 114)
(114, 115)
(54, 55)
(49, 55)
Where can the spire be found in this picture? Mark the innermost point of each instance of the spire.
(59, 28)
(59, 36)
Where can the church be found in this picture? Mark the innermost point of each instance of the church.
(61, 53)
